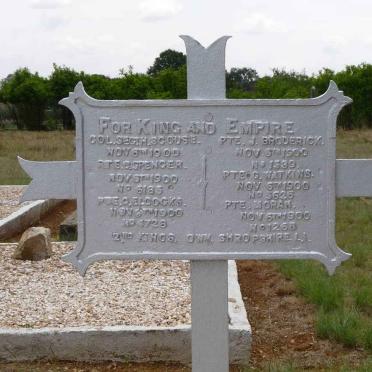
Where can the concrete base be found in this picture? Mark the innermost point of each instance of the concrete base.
(24, 217)
(125, 343)
(129, 344)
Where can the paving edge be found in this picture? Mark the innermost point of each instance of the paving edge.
(125, 343)
(24, 217)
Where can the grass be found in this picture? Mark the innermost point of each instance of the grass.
(41, 146)
(355, 144)
(274, 367)
(342, 326)
(366, 366)
(343, 301)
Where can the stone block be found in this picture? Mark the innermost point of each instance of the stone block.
(35, 245)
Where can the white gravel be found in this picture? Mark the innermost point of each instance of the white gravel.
(9, 199)
(51, 293)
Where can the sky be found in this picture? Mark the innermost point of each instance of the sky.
(103, 36)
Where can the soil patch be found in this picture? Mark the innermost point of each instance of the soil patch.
(282, 323)
(57, 215)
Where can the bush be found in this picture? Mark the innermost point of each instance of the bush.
(29, 94)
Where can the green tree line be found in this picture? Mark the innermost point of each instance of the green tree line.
(30, 101)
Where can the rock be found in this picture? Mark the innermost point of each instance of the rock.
(35, 245)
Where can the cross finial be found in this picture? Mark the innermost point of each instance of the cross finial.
(205, 69)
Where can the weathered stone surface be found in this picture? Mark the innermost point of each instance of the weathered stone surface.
(25, 217)
(35, 245)
(206, 179)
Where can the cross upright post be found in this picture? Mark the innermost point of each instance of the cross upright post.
(209, 279)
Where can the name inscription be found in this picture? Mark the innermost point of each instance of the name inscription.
(267, 173)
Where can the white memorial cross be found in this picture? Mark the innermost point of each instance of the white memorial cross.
(205, 179)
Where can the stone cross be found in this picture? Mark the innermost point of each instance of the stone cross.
(205, 179)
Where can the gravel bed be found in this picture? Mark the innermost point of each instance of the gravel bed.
(9, 199)
(51, 293)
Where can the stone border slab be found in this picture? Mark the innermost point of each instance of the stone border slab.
(24, 217)
(125, 343)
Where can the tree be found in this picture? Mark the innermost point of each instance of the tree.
(283, 84)
(356, 82)
(241, 78)
(29, 93)
(167, 59)
(61, 82)
(169, 84)
(97, 86)
(322, 80)
(131, 85)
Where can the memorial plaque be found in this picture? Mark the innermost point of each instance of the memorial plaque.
(206, 179)
(201, 179)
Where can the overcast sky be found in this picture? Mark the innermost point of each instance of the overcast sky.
(102, 36)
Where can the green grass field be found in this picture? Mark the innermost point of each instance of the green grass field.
(343, 301)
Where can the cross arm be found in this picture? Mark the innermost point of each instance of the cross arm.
(50, 179)
(353, 177)
(57, 179)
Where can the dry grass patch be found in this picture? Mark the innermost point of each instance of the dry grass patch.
(58, 145)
